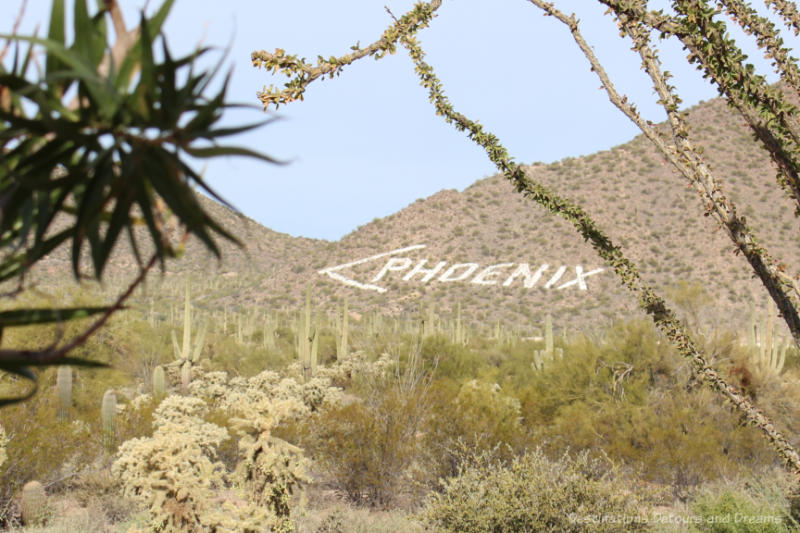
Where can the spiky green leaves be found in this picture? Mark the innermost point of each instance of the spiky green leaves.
(97, 146)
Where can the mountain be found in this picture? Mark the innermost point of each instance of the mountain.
(502, 241)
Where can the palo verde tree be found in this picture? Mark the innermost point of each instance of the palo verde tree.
(701, 27)
(94, 147)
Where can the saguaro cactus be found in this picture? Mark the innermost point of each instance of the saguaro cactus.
(64, 387)
(459, 334)
(188, 353)
(342, 348)
(159, 383)
(540, 357)
(307, 340)
(767, 353)
(109, 413)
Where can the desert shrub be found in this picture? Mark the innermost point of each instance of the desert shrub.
(477, 414)
(40, 447)
(370, 447)
(635, 398)
(736, 509)
(99, 490)
(532, 493)
(452, 360)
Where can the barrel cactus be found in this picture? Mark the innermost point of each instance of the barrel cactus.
(33, 504)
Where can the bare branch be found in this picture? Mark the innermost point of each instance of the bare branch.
(15, 29)
(689, 161)
(125, 39)
(649, 301)
(769, 114)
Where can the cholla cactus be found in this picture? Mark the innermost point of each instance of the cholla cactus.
(175, 471)
(271, 469)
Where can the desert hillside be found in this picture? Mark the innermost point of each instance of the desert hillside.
(501, 256)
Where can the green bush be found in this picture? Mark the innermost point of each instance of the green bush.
(368, 448)
(634, 398)
(532, 493)
(371, 448)
(730, 509)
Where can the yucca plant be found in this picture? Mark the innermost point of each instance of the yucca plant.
(100, 141)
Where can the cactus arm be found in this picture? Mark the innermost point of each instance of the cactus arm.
(198, 347)
(314, 350)
(176, 347)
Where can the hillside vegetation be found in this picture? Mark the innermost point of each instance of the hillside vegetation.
(254, 420)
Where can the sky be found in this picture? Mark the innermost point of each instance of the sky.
(367, 144)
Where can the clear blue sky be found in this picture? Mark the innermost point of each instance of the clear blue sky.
(368, 143)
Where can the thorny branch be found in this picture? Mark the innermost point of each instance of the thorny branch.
(303, 73)
(649, 301)
(682, 154)
(689, 161)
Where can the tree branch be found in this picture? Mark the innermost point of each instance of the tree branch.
(15, 29)
(649, 301)
(304, 73)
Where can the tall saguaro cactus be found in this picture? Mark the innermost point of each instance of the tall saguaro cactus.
(307, 341)
(188, 353)
(159, 383)
(64, 388)
(549, 352)
(109, 413)
(768, 353)
(342, 348)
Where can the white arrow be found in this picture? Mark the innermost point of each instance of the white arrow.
(331, 271)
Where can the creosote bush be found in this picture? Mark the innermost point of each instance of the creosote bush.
(632, 396)
(752, 508)
(372, 448)
(532, 493)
